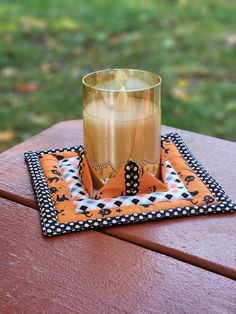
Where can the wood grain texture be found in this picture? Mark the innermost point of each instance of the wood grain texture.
(15, 182)
(202, 241)
(207, 242)
(94, 273)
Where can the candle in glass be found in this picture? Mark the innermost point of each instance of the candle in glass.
(122, 115)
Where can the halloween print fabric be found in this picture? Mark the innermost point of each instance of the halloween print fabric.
(81, 205)
(81, 199)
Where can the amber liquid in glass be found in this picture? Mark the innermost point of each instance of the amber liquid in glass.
(117, 136)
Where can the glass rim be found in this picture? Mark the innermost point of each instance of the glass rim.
(156, 76)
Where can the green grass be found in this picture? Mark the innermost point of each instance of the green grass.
(47, 46)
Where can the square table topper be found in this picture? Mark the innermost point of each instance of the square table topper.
(67, 202)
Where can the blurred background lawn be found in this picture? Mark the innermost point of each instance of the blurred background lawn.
(47, 46)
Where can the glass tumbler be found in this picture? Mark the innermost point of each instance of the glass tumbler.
(122, 119)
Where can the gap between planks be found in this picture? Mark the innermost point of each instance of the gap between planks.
(180, 256)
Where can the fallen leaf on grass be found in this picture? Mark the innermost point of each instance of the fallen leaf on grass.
(182, 83)
(219, 116)
(49, 67)
(65, 24)
(38, 119)
(51, 42)
(7, 136)
(9, 72)
(29, 23)
(178, 111)
(124, 37)
(75, 73)
(181, 94)
(32, 100)
(230, 40)
(26, 88)
(183, 3)
(114, 38)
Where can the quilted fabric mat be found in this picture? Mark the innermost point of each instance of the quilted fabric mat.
(67, 202)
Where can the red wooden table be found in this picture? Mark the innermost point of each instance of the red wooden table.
(183, 265)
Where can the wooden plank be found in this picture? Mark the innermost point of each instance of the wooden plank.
(200, 240)
(207, 242)
(15, 183)
(91, 273)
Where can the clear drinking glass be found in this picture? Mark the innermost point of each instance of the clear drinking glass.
(122, 119)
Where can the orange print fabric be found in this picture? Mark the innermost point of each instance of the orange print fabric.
(58, 188)
(66, 211)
